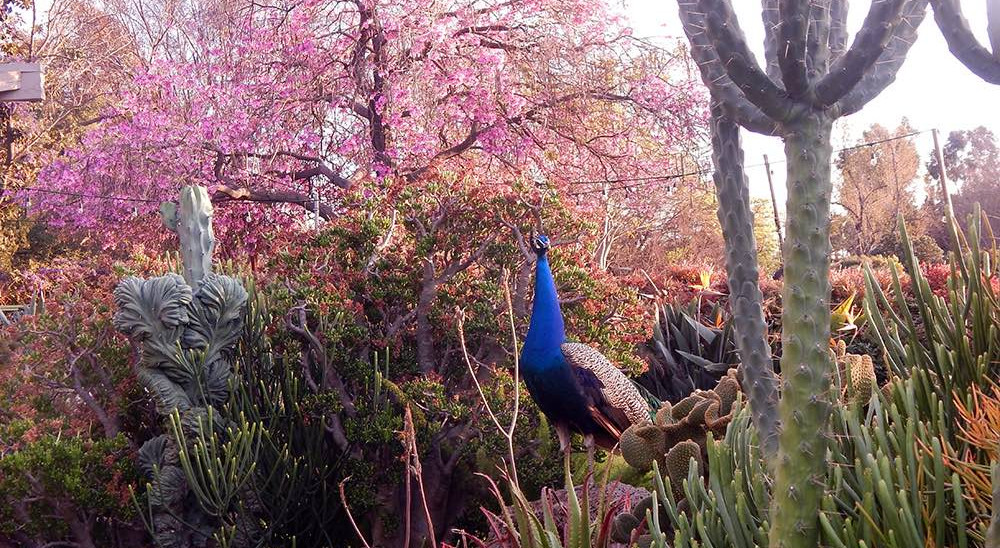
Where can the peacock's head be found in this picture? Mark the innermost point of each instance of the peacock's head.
(540, 244)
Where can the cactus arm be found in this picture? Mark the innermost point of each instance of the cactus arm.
(838, 28)
(769, 14)
(868, 46)
(714, 75)
(194, 227)
(740, 65)
(818, 48)
(883, 72)
(806, 362)
(736, 218)
(963, 44)
(792, 45)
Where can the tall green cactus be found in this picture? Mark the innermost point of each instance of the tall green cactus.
(187, 329)
(736, 219)
(810, 81)
(963, 43)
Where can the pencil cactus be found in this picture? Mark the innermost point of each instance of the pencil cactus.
(187, 328)
(810, 81)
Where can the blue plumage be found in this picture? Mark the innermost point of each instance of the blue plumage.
(577, 388)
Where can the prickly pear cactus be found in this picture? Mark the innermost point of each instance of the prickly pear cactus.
(187, 328)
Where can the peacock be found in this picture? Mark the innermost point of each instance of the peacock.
(574, 385)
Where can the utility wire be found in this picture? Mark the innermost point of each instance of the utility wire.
(638, 181)
(642, 181)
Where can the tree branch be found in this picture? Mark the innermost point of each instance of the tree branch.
(869, 44)
(225, 194)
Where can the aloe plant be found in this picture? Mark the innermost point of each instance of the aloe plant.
(685, 354)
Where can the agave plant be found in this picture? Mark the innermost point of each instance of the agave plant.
(685, 354)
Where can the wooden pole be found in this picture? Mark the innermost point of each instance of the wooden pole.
(774, 204)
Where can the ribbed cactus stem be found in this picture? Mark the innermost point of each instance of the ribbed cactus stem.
(736, 218)
(194, 227)
(806, 363)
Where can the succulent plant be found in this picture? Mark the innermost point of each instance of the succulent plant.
(857, 375)
(685, 354)
(690, 419)
(187, 328)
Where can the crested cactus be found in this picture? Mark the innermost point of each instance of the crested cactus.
(187, 329)
(811, 80)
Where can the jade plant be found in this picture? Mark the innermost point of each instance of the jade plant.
(187, 328)
(810, 78)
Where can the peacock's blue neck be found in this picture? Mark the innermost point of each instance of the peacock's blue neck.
(546, 331)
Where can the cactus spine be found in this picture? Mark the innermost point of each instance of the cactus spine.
(819, 81)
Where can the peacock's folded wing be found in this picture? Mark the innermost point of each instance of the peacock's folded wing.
(615, 403)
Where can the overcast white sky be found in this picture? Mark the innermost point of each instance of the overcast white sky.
(932, 90)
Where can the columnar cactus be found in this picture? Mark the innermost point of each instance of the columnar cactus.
(811, 79)
(736, 219)
(187, 328)
(963, 43)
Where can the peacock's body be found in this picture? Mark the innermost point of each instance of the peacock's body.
(576, 387)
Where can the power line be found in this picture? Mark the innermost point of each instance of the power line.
(645, 180)
(638, 181)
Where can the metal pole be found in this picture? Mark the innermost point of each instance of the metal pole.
(774, 204)
(314, 196)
